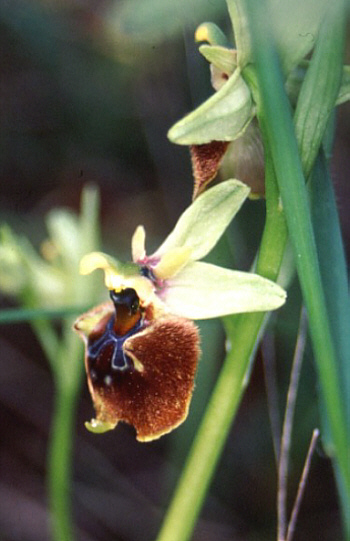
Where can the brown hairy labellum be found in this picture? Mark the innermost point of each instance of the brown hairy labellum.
(206, 160)
(139, 372)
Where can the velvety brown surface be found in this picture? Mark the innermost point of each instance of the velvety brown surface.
(156, 399)
(206, 161)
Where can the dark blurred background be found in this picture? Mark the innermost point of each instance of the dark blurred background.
(88, 90)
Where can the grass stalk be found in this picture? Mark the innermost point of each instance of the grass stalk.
(284, 148)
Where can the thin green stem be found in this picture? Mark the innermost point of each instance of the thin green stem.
(48, 340)
(64, 358)
(17, 315)
(60, 463)
(60, 457)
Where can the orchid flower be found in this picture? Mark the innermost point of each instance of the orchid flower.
(141, 348)
(174, 279)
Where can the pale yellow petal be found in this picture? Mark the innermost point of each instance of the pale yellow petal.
(202, 223)
(138, 244)
(202, 291)
(172, 262)
(114, 281)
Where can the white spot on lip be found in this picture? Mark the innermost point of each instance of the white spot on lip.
(108, 380)
(93, 375)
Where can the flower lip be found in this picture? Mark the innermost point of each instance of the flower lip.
(112, 343)
(144, 378)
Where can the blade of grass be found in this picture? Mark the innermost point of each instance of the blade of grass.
(291, 181)
(335, 282)
(333, 266)
(19, 315)
(319, 90)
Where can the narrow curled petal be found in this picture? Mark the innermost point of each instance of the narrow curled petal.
(145, 380)
(202, 224)
(138, 244)
(202, 291)
(97, 260)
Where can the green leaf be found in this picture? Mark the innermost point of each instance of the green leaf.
(335, 275)
(319, 92)
(223, 117)
(205, 220)
(344, 91)
(335, 283)
(296, 26)
(296, 77)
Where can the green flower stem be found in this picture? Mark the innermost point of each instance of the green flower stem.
(60, 464)
(60, 456)
(48, 339)
(68, 367)
(243, 332)
(284, 148)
